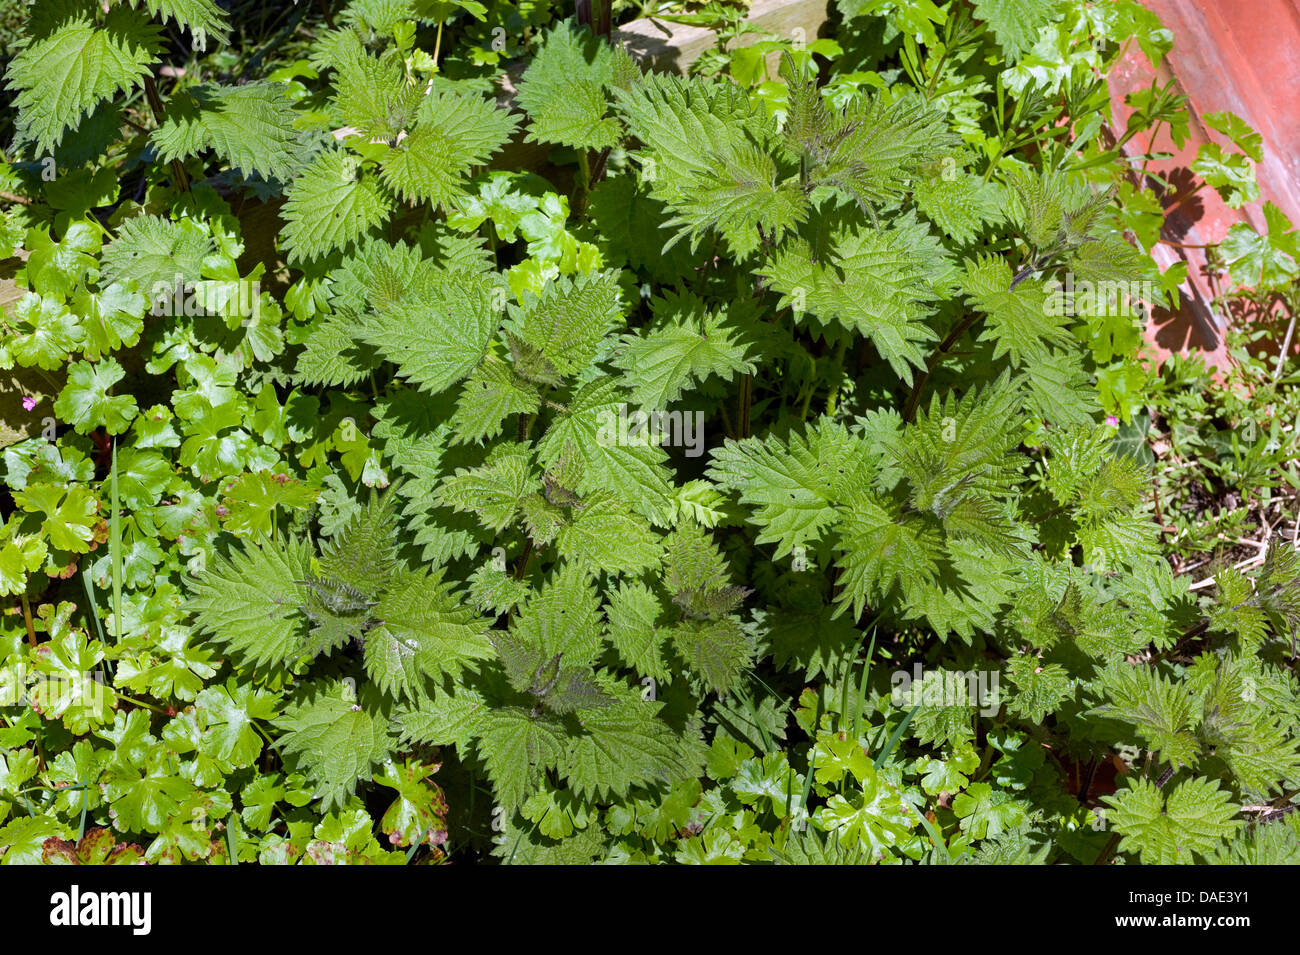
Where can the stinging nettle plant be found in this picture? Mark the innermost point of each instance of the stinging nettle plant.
(431, 553)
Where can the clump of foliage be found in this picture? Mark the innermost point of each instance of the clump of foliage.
(1227, 476)
(731, 488)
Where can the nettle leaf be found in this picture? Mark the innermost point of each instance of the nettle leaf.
(516, 748)
(378, 274)
(794, 485)
(454, 132)
(446, 718)
(961, 204)
(337, 740)
(1194, 819)
(203, 18)
(331, 354)
(1061, 391)
(812, 640)
(626, 745)
(630, 223)
(363, 555)
(697, 575)
(374, 277)
(557, 333)
(1015, 23)
(425, 632)
(249, 601)
(1077, 455)
(1054, 210)
(687, 126)
(491, 394)
(156, 254)
(1123, 540)
(1259, 845)
(878, 282)
(563, 91)
(494, 490)
(712, 163)
(604, 535)
(374, 95)
(438, 336)
(573, 689)
(251, 127)
(1020, 320)
(589, 431)
(563, 618)
(331, 205)
(717, 651)
(868, 151)
(1040, 687)
(882, 548)
(1235, 611)
(686, 345)
(959, 447)
(1240, 722)
(528, 667)
(747, 197)
(69, 69)
(494, 590)
(632, 614)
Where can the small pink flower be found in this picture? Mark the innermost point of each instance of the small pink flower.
(1112, 421)
(28, 403)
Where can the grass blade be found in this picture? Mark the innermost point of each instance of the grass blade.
(115, 545)
(855, 718)
(895, 737)
(89, 584)
(232, 840)
(85, 799)
(936, 837)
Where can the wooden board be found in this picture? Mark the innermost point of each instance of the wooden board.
(669, 48)
(673, 47)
